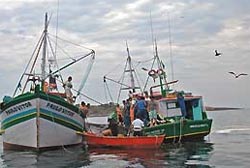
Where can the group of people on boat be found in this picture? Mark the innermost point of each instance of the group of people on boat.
(67, 85)
(138, 111)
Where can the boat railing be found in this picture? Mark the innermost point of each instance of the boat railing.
(156, 86)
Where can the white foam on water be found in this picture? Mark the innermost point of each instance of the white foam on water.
(230, 130)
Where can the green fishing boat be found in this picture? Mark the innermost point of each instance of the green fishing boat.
(181, 115)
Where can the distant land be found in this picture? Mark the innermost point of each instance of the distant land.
(209, 108)
(106, 109)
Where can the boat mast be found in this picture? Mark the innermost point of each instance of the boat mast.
(162, 77)
(44, 49)
(132, 80)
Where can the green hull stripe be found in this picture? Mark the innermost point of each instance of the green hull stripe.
(18, 120)
(28, 115)
(60, 120)
(196, 133)
(47, 97)
(19, 115)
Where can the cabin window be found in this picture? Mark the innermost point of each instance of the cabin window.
(171, 105)
(169, 109)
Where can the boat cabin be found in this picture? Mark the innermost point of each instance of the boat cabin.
(189, 106)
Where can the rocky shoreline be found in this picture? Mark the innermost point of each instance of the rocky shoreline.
(101, 110)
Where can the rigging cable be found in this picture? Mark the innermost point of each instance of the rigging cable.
(73, 43)
(27, 66)
(137, 79)
(54, 54)
(122, 79)
(146, 83)
(87, 72)
(108, 90)
(105, 91)
(56, 42)
(34, 63)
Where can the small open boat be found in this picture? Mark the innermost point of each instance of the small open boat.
(143, 142)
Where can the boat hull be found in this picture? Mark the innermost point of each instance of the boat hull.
(186, 130)
(40, 121)
(143, 142)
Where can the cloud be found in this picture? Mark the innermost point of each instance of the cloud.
(196, 29)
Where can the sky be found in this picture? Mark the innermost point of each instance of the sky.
(187, 33)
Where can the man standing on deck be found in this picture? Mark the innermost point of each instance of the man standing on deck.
(141, 107)
(68, 86)
(181, 102)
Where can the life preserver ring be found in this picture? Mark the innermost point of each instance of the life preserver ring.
(152, 72)
(160, 72)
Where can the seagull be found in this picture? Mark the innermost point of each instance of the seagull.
(237, 75)
(217, 53)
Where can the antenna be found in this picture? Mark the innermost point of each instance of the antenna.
(170, 47)
(152, 32)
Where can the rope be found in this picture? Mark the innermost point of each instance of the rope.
(174, 130)
(89, 129)
(53, 119)
(181, 124)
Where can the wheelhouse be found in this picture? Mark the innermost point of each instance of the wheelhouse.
(171, 107)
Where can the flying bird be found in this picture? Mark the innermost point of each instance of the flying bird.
(217, 53)
(237, 75)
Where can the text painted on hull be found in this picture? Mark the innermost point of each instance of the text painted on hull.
(18, 108)
(59, 109)
(199, 126)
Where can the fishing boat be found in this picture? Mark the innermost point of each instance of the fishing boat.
(39, 116)
(141, 142)
(181, 115)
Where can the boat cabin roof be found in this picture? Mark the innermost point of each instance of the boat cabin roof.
(173, 96)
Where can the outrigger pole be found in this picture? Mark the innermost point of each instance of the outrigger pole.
(106, 78)
(74, 61)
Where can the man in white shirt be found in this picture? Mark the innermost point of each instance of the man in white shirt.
(68, 86)
(137, 125)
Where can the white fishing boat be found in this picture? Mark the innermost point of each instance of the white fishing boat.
(40, 117)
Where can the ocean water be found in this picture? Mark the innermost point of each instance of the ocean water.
(228, 146)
